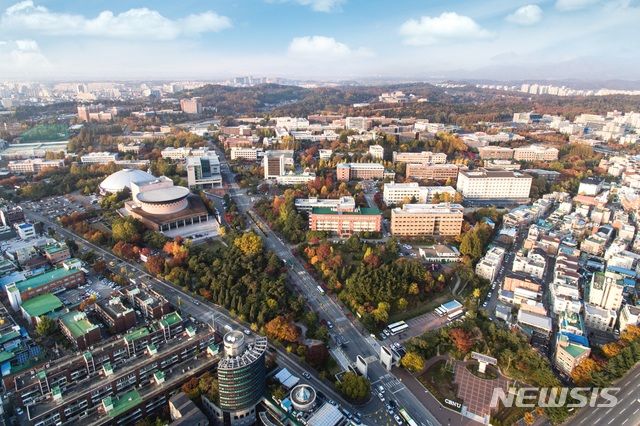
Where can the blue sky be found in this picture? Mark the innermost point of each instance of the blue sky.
(319, 39)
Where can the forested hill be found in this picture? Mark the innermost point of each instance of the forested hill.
(443, 105)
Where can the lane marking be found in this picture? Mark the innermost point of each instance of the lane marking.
(637, 409)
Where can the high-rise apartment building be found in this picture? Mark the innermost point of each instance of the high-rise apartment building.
(191, 106)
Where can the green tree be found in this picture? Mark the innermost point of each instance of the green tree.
(45, 326)
(354, 386)
(126, 229)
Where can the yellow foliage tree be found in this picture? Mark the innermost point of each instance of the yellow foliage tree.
(250, 243)
(412, 362)
(581, 375)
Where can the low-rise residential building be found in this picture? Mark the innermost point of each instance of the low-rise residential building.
(598, 318)
(565, 299)
(325, 154)
(427, 219)
(594, 244)
(116, 316)
(534, 325)
(571, 350)
(352, 171)
(629, 315)
(432, 171)
(513, 280)
(534, 265)
(150, 303)
(56, 253)
(489, 266)
(26, 230)
(79, 330)
(535, 153)
(345, 223)
(424, 157)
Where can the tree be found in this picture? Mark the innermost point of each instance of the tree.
(476, 293)
(391, 246)
(528, 418)
(631, 334)
(583, 372)
(155, 264)
(611, 349)
(45, 326)
(354, 386)
(413, 362)
(462, 339)
(87, 302)
(126, 229)
(250, 243)
(281, 329)
(100, 266)
(402, 304)
(317, 355)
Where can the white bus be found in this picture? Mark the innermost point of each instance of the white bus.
(440, 311)
(398, 328)
(455, 315)
(320, 290)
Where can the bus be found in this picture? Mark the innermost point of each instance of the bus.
(455, 315)
(407, 417)
(399, 328)
(440, 311)
(320, 290)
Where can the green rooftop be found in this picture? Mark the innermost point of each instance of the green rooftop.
(43, 279)
(77, 323)
(575, 350)
(6, 356)
(9, 336)
(136, 334)
(54, 248)
(361, 212)
(125, 402)
(171, 319)
(41, 305)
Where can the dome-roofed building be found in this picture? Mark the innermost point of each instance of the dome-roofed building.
(117, 181)
(303, 397)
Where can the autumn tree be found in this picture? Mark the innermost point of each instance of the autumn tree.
(281, 329)
(87, 302)
(582, 374)
(250, 243)
(462, 339)
(528, 418)
(412, 361)
(155, 264)
(611, 349)
(631, 334)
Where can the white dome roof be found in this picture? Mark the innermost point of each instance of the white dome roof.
(122, 179)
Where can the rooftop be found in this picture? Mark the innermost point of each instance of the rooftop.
(42, 304)
(171, 319)
(77, 323)
(45, 278)
(363, 211)
(124, 402)
(162, 195)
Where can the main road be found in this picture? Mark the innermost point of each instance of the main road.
(355, 341)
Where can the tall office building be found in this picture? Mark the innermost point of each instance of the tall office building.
(242, 378)
(487, 186)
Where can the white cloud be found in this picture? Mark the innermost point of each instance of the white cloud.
(321, 47)
(526, 15)
(316, 5)
(22, 56)
(444, 28)
(141, 23)
(568, 5)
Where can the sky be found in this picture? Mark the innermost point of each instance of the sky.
(319, 39)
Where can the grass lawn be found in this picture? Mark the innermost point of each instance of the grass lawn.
(421, 309)
(439, 382)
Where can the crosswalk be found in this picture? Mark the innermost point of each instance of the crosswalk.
(394, 385)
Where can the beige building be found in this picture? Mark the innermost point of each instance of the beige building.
(351, 171)
(535, 153)
(629, 315)
(376, 152)
(394, 193)
(242, 153)
(569, 354)
(35, 165)
(427, 219)
(424, 157)
(605, 291)
(495, 153)
(494, 185)
(433, 171)
(490, 264)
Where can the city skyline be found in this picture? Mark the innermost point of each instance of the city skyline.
(318, 39)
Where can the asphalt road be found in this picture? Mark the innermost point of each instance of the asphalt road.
(357, 342)
(625, 413)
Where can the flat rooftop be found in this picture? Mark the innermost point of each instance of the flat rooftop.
(45, 278)
(42, 304)
(77, 323)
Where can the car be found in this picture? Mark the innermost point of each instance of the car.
(392, 402)
(332, 402)
(489, 295)
(380, 388)
(484, 305)
(382, 336)
(386, 332)
(358, 415)
(306, 375)
(329, 324)
(397, 419)
(197, 303)
(381, 397)
(19, 411)
(247, 332)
